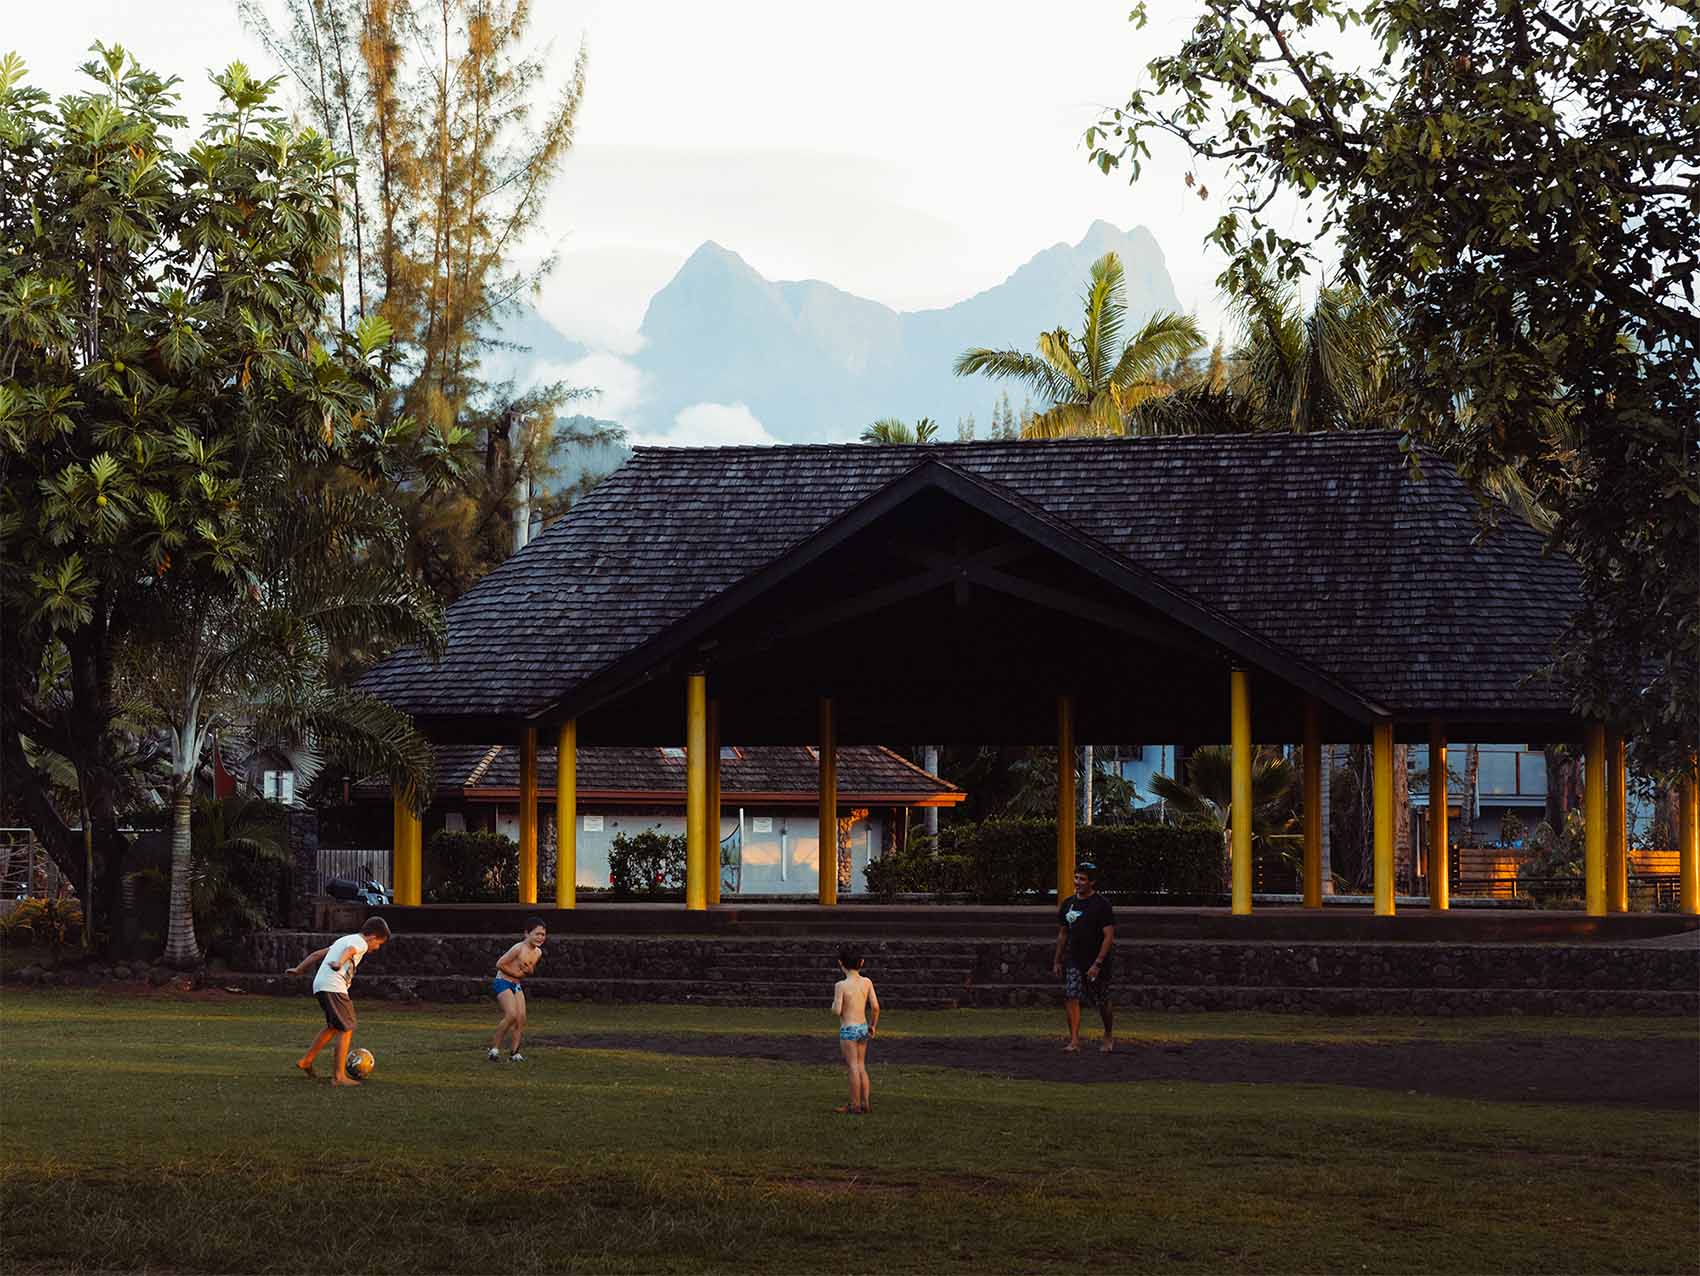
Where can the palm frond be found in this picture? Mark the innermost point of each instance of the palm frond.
(1015, 365)
(1105, 312)
(1165, 339)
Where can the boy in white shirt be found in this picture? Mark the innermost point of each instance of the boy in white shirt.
(330, 986)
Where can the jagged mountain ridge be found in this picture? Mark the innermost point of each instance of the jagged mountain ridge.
(817, 363)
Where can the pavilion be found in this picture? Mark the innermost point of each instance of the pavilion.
(1283, 588)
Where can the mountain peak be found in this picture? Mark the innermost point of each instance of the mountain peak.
(1102, 232)
(814, 362)
(715, 258)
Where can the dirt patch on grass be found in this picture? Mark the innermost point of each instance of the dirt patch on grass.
(1653, 1072)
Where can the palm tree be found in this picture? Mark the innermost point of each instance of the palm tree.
(1089, 382)
(1208, 793)
(260, 654)
(891, 430)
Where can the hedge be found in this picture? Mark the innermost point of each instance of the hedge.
(646, 863)
(472, 868)
(1009, 859)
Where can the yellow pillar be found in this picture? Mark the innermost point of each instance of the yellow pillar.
(1311, 876)
(406, 846)
(696, 791)
(1239, 790)
(828, 805)
(1617, 823)
(713, 801)
(1066, 801)
(1439, 854)
(528, 816)
(1594, 820)
(566, 815)
(1382, 768)
(1688, 842)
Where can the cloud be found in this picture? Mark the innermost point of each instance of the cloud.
(619, 385)
(711, 425)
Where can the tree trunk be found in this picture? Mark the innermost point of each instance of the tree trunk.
(181, 949)
(930, 760)
(1472, 769)
(1086, 786)
(1402, 858)
(1327, 816)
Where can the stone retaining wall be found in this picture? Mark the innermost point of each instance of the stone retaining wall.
(1314, 978)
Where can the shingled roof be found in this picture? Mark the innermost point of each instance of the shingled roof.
(1321, 561)
(866, 773)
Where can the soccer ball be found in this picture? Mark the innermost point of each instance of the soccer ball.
(360, 1064)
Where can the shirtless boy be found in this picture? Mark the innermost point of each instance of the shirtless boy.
(858, 1009)
(512, 969)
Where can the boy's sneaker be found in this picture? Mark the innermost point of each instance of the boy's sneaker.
(516, 1057)
(494, 1056)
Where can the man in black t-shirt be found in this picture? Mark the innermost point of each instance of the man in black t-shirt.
(1086, 934)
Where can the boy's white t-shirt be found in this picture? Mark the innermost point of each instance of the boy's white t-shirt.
(330, 978)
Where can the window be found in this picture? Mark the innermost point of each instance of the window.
(672, 754)
(454, 822)
(279, 786)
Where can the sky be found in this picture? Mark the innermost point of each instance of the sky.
(913, 153)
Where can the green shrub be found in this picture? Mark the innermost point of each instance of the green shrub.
(240, 880)
(1011, 859)
(472, 868)
(43, 921)
(646, 863)
(920, 869)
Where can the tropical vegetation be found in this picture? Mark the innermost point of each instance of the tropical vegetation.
(453, 132)
(1516, 184)
(1090, 382)
(195, 478)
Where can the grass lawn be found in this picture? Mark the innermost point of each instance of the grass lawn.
(161, 1134)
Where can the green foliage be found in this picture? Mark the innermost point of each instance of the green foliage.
(1516, 183)
(646, 863)
(1089, 382)
(1554, 870)
(1009, 859)
(1207, 797)
(919, 868)
(43, 921)
(241, 869)
(472, 868)
(193, 469)
(456, 127)
(892, 430)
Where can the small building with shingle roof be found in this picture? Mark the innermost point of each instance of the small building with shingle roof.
(769, 831)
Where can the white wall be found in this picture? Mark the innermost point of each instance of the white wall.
(781, 859)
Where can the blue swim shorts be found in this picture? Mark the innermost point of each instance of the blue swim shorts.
(853, 1032)
(500, 985)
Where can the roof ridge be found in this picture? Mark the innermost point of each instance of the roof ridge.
(1261, 439)
(898, 757)
(482, 768)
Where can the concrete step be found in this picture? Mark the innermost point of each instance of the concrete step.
(817, 995)
(891, 964)
(1360, 1001)
(758, 1000)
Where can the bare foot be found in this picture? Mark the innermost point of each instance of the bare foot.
(306, 1066)
(1108, 1047)
(844, 1109)
(344, 1081)
(1072, 1047)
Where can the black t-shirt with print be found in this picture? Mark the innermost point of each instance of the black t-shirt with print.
(1086, 920)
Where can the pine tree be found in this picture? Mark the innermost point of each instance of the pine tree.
(965, 428)
(442, 104)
